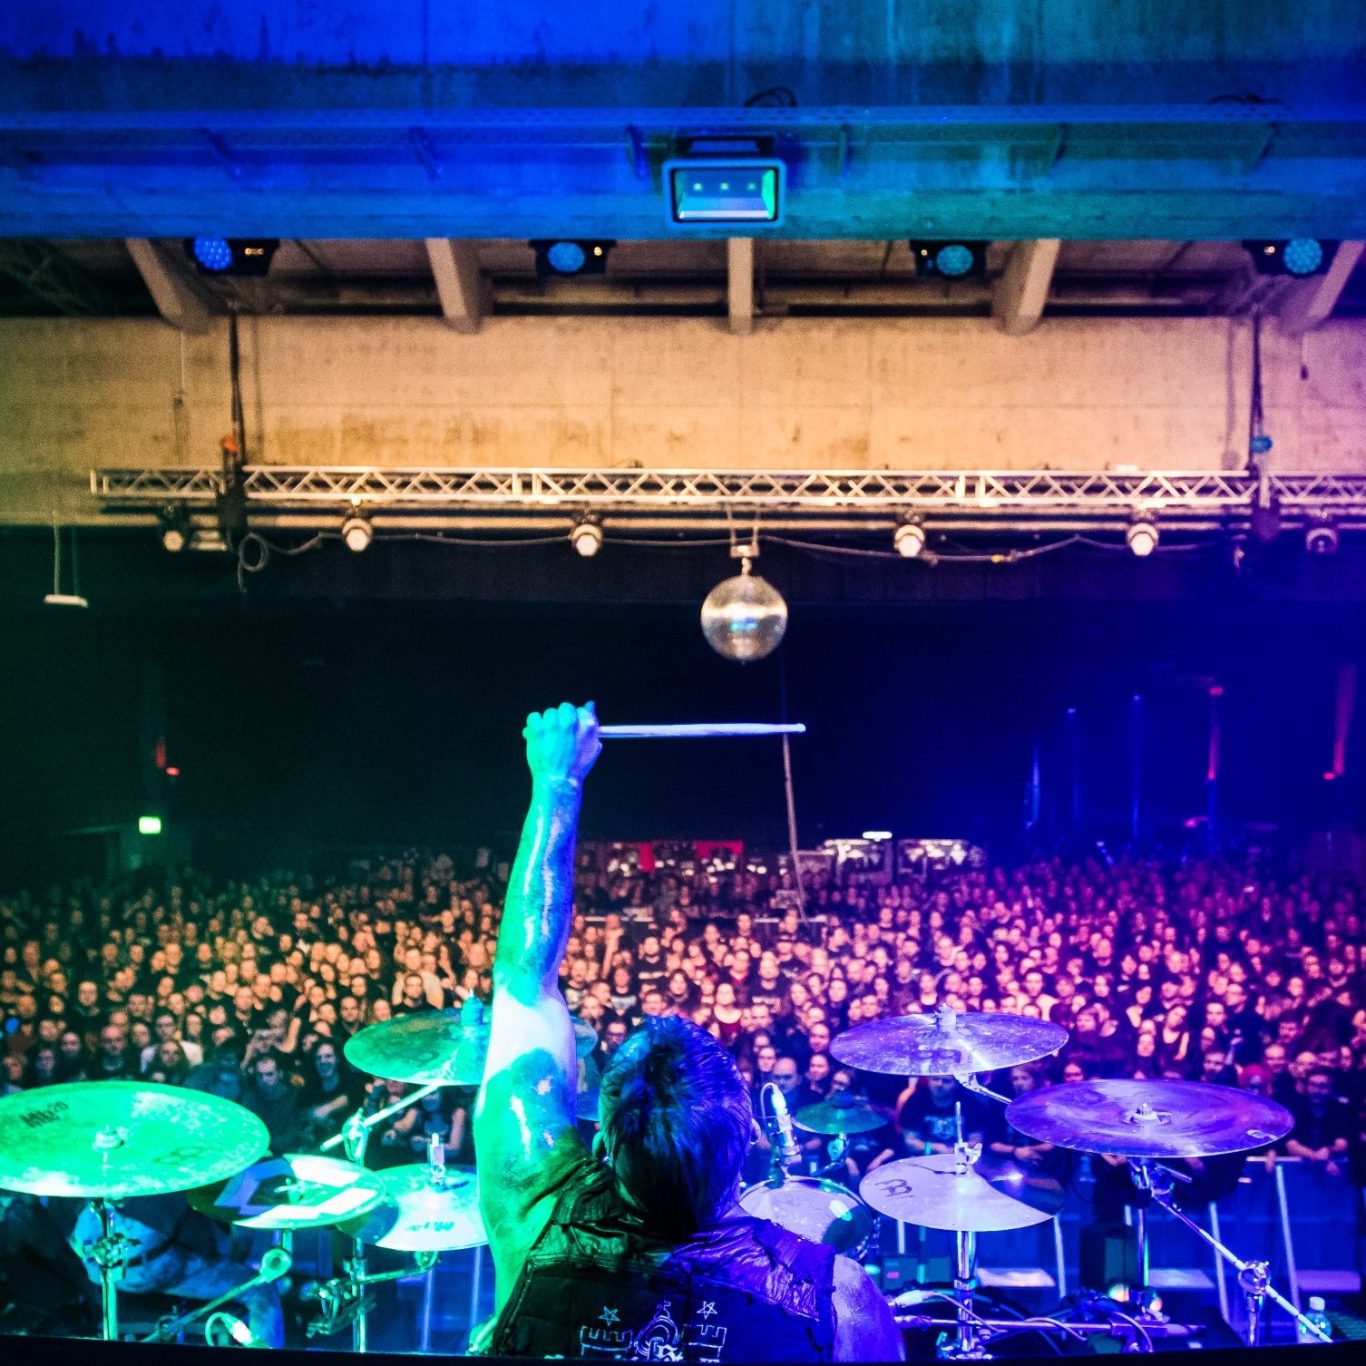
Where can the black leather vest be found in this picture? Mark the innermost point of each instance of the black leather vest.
(598, 1285)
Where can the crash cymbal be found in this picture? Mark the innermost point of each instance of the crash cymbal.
(421, 1216)
(298, 1190)
(121, 1139)
(1150, 1118)
(947, 1043)
(839, 1116)
(433, 1046)
(986, 1198)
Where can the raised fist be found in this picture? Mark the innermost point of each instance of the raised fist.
(562, 743)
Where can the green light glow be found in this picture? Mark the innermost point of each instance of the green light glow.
(149, 825)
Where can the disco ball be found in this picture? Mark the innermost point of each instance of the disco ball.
(744, 618)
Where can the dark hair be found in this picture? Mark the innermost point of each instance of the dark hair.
(676, 1122)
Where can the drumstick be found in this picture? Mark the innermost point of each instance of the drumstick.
(694, 731)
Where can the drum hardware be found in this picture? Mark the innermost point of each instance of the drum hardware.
(1253, 1276)
(445, 1047)
(343, 1300)
(276, 1263)
(110, 1141)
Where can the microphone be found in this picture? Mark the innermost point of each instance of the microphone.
(787, 1142)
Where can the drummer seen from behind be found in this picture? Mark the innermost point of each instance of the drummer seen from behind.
(636, 1249)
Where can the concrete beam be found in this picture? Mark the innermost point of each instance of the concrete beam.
(1017, 302)
(740, 284)
(168, 281)
(455, 268)
(1311, 302)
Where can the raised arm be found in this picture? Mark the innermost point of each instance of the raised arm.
(524, 1132)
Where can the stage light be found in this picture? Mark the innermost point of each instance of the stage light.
(586, 538)
(877, 834)
(149, 825)
(357, 533)
(1321, 539)
(950, 260)
(1142, 537)
(1297, 256)
(744, 618)
(717, 192)
(177, 530)
(909, 539)
(231, 255)
(571, 257)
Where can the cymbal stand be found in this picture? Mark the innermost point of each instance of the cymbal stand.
(1253, 1276)
(968, 1081)
(356, 1130)
(967, 1346)
(342, 1299)
(110, 1254)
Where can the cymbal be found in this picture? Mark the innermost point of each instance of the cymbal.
(419, 1216)
(836, 1116)
(1150, 1118)
(433, 1046)
(122, 1139)
(298, 1190)
(985, 1198)
(947, 1043)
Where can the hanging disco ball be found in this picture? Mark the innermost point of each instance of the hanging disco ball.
(744, 618)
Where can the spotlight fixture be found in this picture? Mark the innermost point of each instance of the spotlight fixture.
(949, 260)
(1142, 537)
(231, 255)
(586, 537)
(177, 530)
(1297, 256)
(1321, 539)
(571, 257)
(357, 533)
(909, 539)
(719, 192)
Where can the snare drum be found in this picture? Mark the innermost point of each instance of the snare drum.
(823, 1211)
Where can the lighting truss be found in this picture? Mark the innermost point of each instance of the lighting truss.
(987, 500)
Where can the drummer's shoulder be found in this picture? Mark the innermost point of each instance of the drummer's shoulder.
(864, 1327)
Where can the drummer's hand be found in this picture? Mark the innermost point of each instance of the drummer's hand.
(562, 743)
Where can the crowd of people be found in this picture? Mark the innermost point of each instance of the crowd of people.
(1201, 970)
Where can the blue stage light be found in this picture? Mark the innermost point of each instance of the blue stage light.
(949, 260)
(1303, 255)
(231, 255)
(1297, 256)
(212, 253)
(567, 256)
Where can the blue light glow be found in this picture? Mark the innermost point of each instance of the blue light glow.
(1303, 255)
(566, 258)
(213, 253)
(954, 259)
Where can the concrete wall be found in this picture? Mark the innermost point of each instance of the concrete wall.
(1076, 394)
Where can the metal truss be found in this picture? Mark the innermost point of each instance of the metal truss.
(1023, 499)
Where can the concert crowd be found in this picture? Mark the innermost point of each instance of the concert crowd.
(1195, 970)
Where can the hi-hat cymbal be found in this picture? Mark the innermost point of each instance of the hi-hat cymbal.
(985, 1198)
(839, 1116)
(432, 1046)
(1150, 1118)
(420, 1215)
(947, 1043)
(298, 1190)
(122, 1139)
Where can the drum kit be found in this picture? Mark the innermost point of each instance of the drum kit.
(107, 1142)
(111, 1141)
(1146, 1123)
